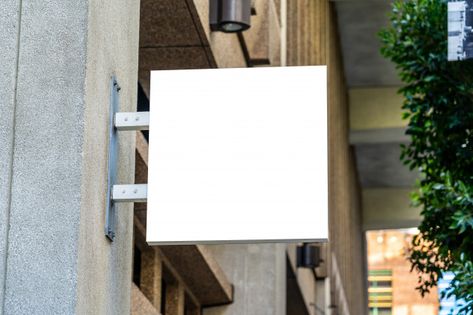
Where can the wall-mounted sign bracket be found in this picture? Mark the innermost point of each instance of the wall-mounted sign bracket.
(121, 121)
(132, 121)
(130, 193)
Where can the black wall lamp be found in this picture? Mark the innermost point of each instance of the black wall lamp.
(308, 256)
(230, 16)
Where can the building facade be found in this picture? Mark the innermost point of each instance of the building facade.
(57, 59)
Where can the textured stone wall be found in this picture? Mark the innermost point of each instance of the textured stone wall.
(57, 58)
(258, 274)
(313, 39)
(104, 268)
(9, 29)
(47, 134)
(346, 236)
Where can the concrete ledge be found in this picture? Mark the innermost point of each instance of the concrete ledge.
(140, 305)
(379, 135)
(201, 273)
(389, 208)
(379, 165)
(375, 108)
(197, 267)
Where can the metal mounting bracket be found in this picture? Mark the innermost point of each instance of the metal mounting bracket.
(130, 193)
(132, 121)
(120, 193)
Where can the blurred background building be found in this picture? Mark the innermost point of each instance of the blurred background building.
(57, 59)
(391, 283)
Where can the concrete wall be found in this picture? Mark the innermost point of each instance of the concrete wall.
(44, 196)
(377, 132)
(258, 273)
(346, 237)
(389, 208)
(104, 268)
(56, 67)
(9, 28)
(375, 108)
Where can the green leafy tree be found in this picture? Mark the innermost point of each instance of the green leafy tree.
(439, 108)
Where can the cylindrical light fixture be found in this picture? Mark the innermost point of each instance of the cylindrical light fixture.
(230, 16)
(308, 256)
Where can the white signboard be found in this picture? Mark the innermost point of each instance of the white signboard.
(238, 155)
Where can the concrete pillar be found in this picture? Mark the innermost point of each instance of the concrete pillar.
(258, 273)
(56, 61)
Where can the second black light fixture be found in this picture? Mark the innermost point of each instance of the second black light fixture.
(230, 16)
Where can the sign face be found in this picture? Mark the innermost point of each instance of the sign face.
(238, 155)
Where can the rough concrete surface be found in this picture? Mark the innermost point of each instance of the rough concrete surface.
(389, 208)
(41, 273)
(9, 27)
(374, 108)
(167, 23)
(104, 268)
(359, 23)
(258, 273)
(141, 305)
(379, 165)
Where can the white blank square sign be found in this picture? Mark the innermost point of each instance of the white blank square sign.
(238, 155)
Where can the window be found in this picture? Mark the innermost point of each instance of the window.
(380, 292)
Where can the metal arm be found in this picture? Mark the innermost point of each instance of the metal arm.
(130, 193)
(132, 121)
